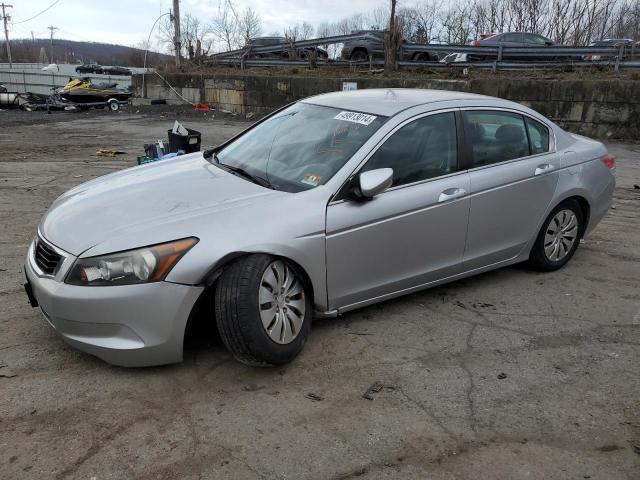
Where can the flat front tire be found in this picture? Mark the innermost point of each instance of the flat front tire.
(558, 238)
(263, 310)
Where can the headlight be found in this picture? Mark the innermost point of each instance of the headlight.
(143, 265)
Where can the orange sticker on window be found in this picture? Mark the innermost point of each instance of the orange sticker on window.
(311, 179)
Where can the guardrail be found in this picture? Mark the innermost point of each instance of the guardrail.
(408, 64)
(491, 58)
(314, 42)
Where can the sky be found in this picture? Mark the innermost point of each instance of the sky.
(128, 22)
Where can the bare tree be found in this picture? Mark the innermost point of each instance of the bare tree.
(379, 18)
(296, 33)
(324, 30)
(225, 26)
(197, 36)
(193, 32)
(249, 25)
(422, 19)
(573, 22)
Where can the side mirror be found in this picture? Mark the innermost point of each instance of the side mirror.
(374, 182)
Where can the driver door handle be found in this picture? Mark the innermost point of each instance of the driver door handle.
(544, 168)
(451, 194)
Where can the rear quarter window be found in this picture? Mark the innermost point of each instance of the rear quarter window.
(538, 136)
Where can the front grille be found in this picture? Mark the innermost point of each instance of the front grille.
(46, 258)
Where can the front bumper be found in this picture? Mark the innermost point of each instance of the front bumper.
(130, 325)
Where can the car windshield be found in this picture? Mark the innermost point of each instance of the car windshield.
(301, 147)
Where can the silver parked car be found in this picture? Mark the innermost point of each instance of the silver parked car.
(329, 204)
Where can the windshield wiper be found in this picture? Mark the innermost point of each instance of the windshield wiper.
(263, 182)
(213, 155)
(242, 172)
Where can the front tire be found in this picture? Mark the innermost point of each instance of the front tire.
(558, 238)
(422, 57)
(263, 310)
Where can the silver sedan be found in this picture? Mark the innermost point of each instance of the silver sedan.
(329, 204)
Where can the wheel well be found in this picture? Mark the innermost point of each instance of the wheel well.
(418, 54)
(359, 49)
(586, 211)
(199, 325)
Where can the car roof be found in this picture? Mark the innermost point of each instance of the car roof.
(612, 40)
(388, 101)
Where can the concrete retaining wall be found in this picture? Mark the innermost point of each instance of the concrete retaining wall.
(597, 108)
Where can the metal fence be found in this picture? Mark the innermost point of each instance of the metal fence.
(487, 58)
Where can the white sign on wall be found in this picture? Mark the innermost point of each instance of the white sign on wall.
(348, 86)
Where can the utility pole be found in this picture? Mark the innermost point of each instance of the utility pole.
(176, 30)
(6, 31)
(52, 28)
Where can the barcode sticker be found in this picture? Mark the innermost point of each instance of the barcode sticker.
(355, 117)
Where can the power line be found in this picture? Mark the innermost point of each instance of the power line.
(36, 15)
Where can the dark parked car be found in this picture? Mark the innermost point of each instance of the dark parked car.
(116, 71)
(373, 44)
(511, 39)
(303, 52)
(89, 68)
(608, 42)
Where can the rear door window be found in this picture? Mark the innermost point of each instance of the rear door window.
(495, 136)
(533, 39)
(511, 38)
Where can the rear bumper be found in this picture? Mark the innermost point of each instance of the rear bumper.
(131, 326)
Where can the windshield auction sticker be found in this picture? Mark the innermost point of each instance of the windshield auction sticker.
(311, 179)
(355, 117)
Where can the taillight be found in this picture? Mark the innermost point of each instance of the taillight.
(475, 43)
(609, 161)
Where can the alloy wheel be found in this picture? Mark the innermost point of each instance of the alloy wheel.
(281, 302)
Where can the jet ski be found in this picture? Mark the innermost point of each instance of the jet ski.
(84, 91)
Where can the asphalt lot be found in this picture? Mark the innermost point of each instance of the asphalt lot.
(508, 375)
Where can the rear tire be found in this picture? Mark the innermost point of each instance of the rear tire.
(359, 56)
(558, 238)
(247, 318)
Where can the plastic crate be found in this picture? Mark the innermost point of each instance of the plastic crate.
(142, 159)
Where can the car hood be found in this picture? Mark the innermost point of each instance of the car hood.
(150, 196)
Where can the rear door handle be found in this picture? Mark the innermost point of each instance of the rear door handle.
(451, 194)
(544, 168)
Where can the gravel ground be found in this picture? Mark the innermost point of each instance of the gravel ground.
(507, 375)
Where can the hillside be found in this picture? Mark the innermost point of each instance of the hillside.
(69, 51)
